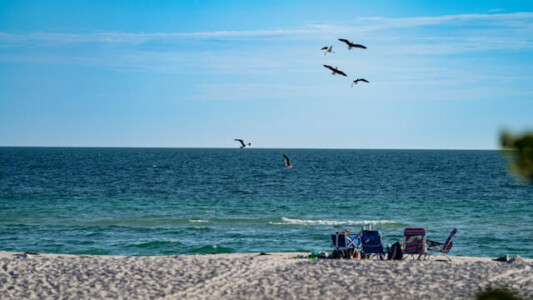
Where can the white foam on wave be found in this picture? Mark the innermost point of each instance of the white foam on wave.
(288, 221)
(199, 221)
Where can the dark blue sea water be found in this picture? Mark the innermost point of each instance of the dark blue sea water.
(136, 201)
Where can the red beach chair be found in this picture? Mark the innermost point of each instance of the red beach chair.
(415, 242)
(443, 248)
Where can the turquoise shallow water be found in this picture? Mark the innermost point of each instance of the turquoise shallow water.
(129, 201)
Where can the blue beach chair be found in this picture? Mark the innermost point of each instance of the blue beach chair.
(372, 244)
(345, 244)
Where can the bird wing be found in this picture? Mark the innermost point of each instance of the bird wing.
(324, 48)
(358, 46)
(329, 67)
(240, 141)
(345, 41)
(340, 72)
(364, 80)
(287, 161)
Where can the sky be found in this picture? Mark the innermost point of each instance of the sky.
(443, 74)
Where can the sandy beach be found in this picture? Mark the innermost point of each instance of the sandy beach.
(253, 276)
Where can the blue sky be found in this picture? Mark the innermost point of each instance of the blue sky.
(443, 74)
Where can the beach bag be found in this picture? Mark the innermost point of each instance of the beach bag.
(395, 252)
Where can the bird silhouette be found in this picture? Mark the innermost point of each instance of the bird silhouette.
(352, 45)
(334, 70)
(504, 258)
(359, 79)
(327, 49)
(243, 145)
(288, 164)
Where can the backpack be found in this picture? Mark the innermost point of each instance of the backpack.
(395, 252)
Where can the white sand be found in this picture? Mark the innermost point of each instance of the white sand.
(252, 276)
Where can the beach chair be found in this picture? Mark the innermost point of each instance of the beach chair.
(443, 248)
(371, 244)
(415, 242)
(345, 244)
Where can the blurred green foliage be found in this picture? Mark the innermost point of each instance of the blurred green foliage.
(521, 162)
(498, 294)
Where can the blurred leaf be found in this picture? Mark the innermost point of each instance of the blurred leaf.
(521, 162)
(497, 294)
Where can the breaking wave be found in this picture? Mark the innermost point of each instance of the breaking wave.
(288, 221)
(199, 221)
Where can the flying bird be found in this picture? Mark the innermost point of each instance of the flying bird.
(334, 70)
(327, 49)
(288, 164)
(243, 145)
(359, 79)
(352, 45)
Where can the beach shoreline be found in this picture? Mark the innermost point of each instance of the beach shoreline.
(254, 276)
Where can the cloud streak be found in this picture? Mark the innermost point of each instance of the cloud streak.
(522, 21)
(511, 19)
(137, 38)
(277, 54)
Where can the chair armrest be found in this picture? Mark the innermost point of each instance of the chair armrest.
(432, 244)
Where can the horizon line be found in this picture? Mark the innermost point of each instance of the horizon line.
(252, 148)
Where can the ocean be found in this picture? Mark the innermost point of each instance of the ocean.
(163, 201)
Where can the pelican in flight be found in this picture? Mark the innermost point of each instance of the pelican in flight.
(334, 70)
(327, 49)
(243, 145)
(351, 45)
(359, 79)
(288, 164)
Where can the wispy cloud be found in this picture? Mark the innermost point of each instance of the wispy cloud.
(277, 51)
(521, 20)
(137, 38)
(511, 19)
(447, 34)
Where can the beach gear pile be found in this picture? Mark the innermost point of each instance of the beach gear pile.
(368, 244)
